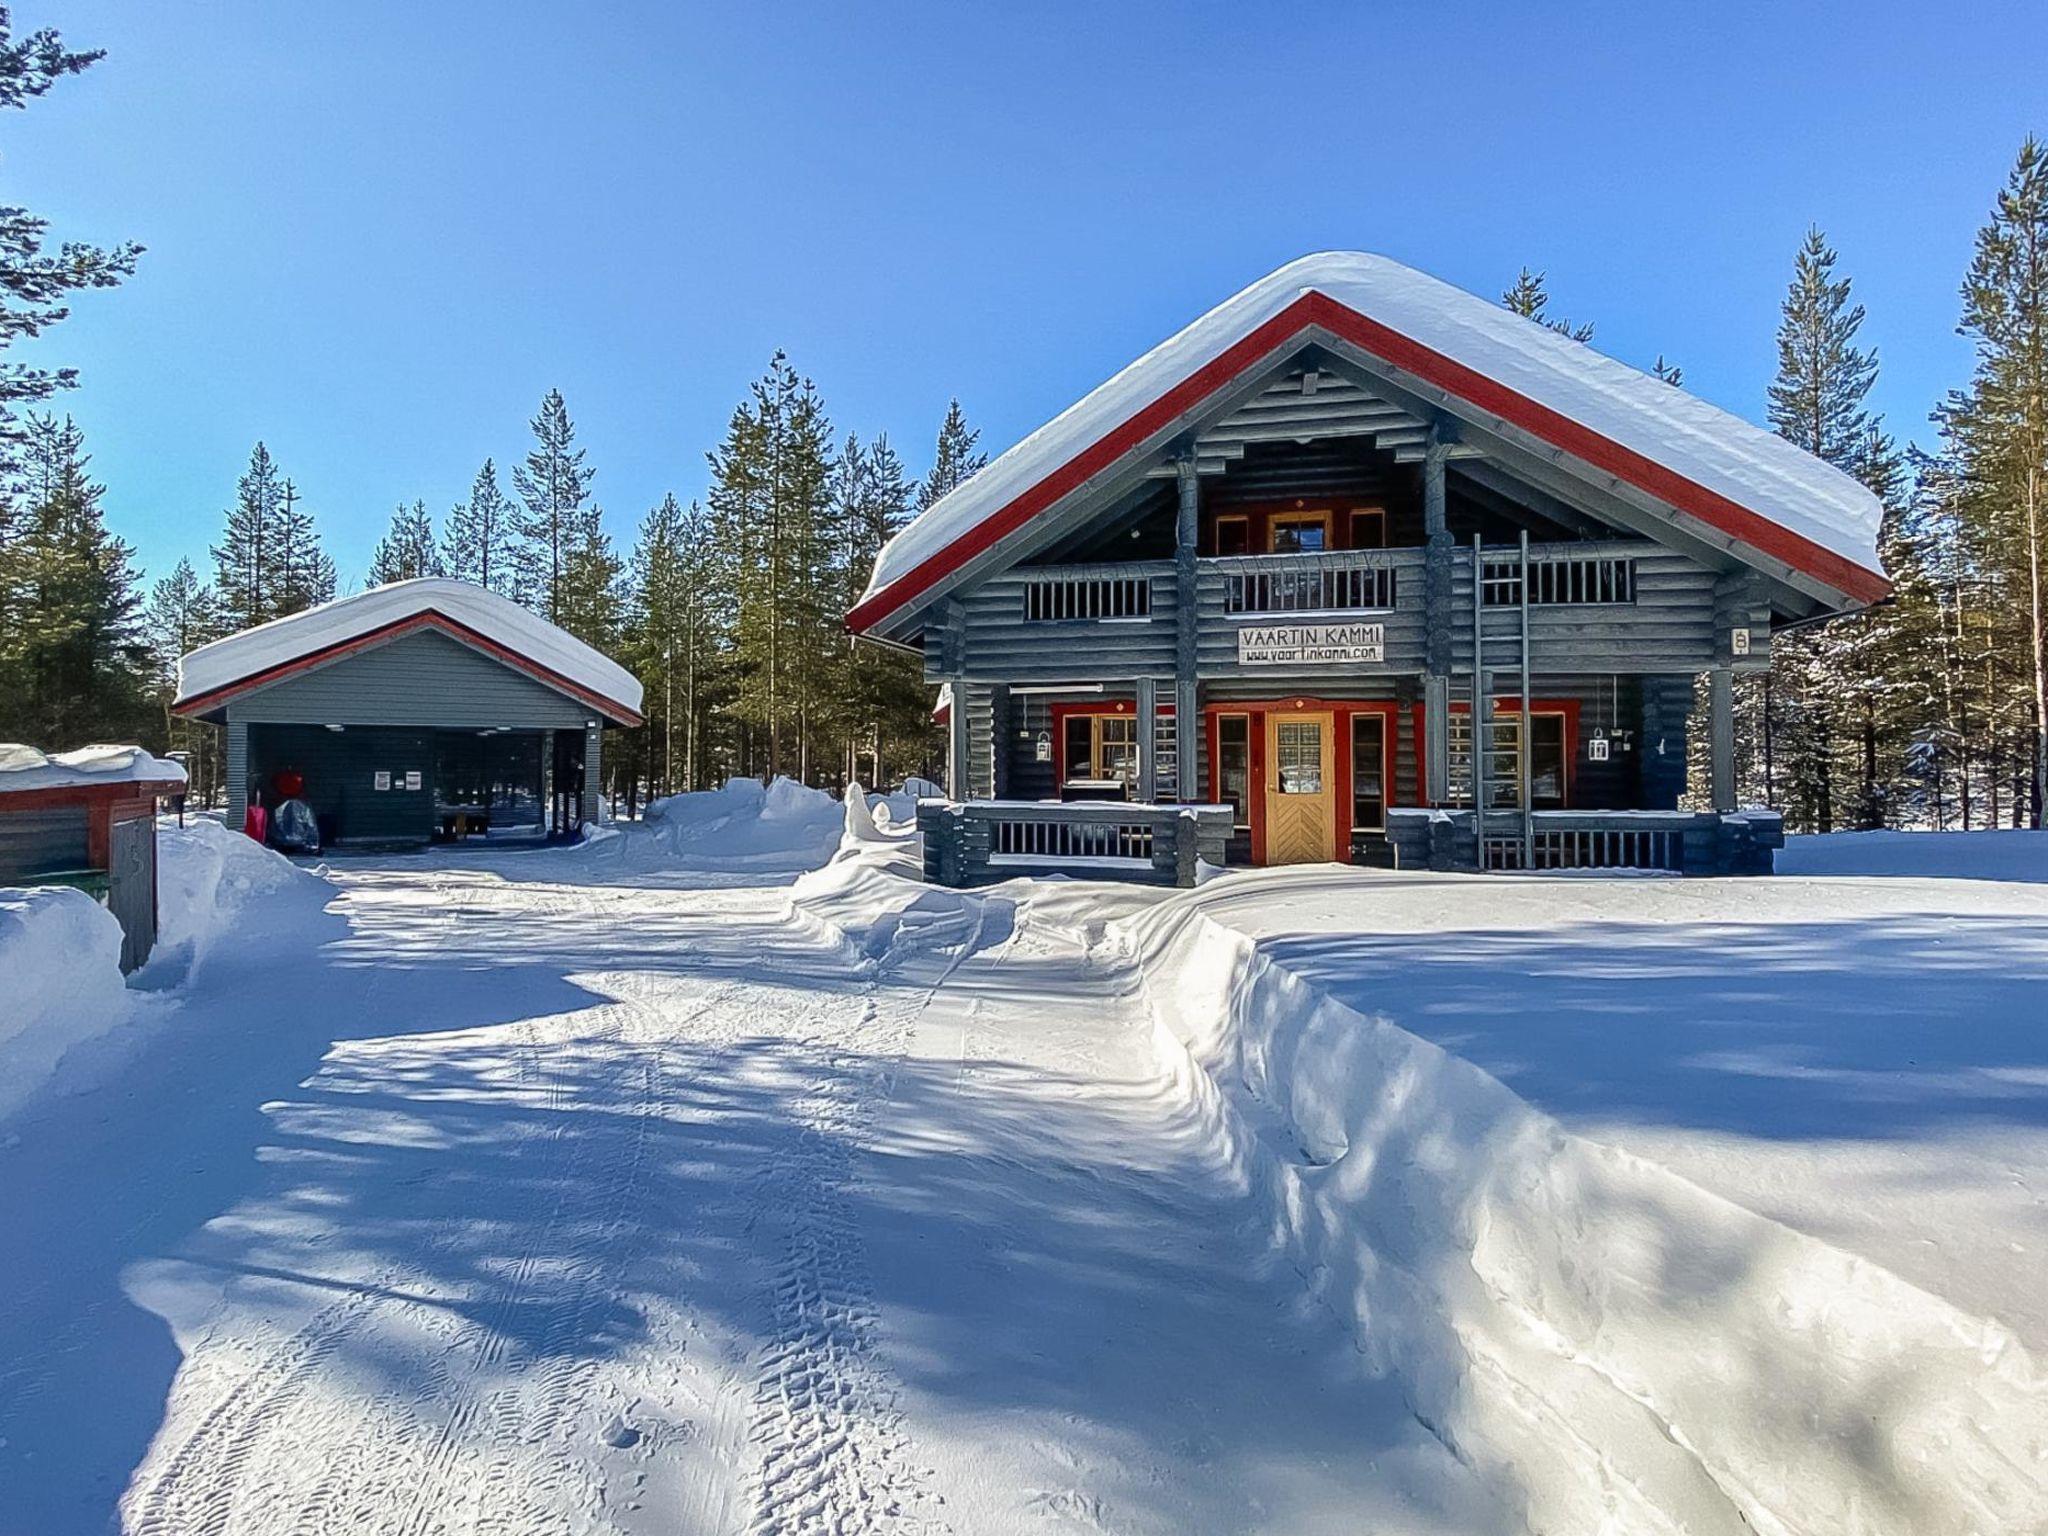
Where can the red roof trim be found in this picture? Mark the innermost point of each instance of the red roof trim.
(1446, 373)
(369, 640)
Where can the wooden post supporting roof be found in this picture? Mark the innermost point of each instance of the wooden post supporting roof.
(953, 629)
(1438, 603)
(1148, 738)
(1721, 741)
(1186, 709)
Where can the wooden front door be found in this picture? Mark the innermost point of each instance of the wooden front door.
(1301, 789)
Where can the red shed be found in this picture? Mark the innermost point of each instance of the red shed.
(88, 819)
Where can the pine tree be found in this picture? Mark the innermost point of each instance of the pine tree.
(1998, 430)
(1529, 299)
(408, 551)
(477, 540)
(678, 635)
(245, 560)
(553, 485)
(771, 488)
(34, 281)
(72, 662)
(1816, 400)
(886, 705)
(956, 460)
(1669, 373)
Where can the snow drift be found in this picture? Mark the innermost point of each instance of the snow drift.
(60, 950)
(745, 825)
(60, 957)
(1627, 1350)
(1984, 855)
(207, 879)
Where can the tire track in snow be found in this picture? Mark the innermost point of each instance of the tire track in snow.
(833, 1456)
(197, 1492)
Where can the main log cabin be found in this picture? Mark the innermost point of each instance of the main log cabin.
(1360, 566)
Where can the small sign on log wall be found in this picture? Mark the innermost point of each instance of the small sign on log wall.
(1311, 645)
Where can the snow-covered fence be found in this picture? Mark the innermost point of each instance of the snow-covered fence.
(977, 841)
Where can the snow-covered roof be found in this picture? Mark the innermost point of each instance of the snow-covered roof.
(258, 655)
(1730, 472)
(24, 767)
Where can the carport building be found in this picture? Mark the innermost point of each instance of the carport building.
(421, 710)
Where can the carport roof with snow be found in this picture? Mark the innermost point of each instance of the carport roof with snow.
(485, 622)
(1479, 368)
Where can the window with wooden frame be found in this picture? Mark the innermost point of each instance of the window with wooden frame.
(1233, 534)
(1298, 533)
(1101, 747)
(1368, 771)
(1234, 767)
(1367, 528)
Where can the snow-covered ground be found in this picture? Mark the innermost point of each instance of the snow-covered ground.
(657, 1185)
(1715, 1203)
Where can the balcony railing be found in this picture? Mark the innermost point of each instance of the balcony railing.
(1360, 581)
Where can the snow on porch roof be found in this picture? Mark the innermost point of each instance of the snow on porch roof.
(1728, 472)
(212, 674)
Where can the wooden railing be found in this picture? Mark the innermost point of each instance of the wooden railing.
(1055, 599)
(1558, 576)
(973, 842)
(1675, 842)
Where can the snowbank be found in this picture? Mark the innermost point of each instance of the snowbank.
(745, 825)
(1627, 1350)
(60, 956)
(207, 879)
(1991, 855)
(23, 767)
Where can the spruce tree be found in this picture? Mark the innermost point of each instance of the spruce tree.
(407, 551)
(956, 459)
(245, 560)
(1530, 299)
(304, 572)
(181, 615)
(886, 705)
(477, 539)
(1816, 400)
(35, 281)
(588, 601)
(678, 635)
(1998, 430)
(553, 485)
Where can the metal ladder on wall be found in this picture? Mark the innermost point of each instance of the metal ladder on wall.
(1500, 745)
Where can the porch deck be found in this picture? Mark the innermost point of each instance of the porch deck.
(976, 842)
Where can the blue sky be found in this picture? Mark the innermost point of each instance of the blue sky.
(378, 232)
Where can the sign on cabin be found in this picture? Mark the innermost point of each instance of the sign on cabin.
(1294, 645)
